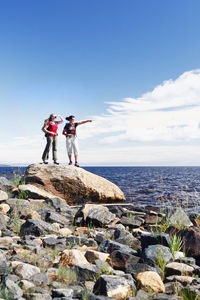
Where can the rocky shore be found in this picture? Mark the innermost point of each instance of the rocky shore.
(92, 250)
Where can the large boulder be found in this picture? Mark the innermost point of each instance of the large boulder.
(72, 183)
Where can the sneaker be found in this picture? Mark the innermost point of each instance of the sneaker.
(56, 163)
(70, 163)
(45, 162)
(76, 164)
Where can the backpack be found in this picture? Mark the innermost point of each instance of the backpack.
(45, 122)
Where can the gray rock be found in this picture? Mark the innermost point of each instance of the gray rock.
(152, 253)
(67, 292)
(75, 240)
(109, 246)
(137, 268)
(180, 218)
(86, 272)
(13, 288)
(5, 184)
(26, 271)
(40, 278)
(121, 259)
(154, 239)
(142, 295)
(17, 202)
(59, 205)
(36, 228)
(54, 217)
(126, 238)
(133, 222)
(37, 296)
(114, 286)
(97, 215)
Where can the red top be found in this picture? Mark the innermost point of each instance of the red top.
(52, 126)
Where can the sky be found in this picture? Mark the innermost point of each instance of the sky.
(132, 66)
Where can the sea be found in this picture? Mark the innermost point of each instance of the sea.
(147, 186)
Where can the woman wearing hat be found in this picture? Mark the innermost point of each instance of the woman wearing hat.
(50, 128)
(71, 139)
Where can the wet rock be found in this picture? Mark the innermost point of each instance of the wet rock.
(151, 280)
(175, 268)
(114, 286)
(152, 253)
(154, 239)
(26, 271)
(36, 228)
(3, 196)
(73, 183)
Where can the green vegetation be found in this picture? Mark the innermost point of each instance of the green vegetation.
(186, 294)
(66, 275)
(18, 179)
(161, 262)
(176, 244)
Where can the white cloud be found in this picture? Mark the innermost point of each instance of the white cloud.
(169, 113)
(162, 127)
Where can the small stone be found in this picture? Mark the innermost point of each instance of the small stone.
(4, 208)
(151, 280)
(65, 232)
(3, 196)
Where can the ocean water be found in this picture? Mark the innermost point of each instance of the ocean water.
(143, 186)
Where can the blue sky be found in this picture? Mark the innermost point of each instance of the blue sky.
(126, 64)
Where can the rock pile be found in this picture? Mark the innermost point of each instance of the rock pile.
(50, 250)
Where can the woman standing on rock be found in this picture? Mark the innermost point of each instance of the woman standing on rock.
(50, 128)
(71, 139)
